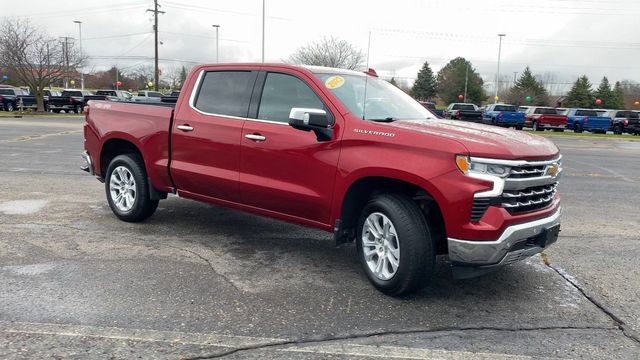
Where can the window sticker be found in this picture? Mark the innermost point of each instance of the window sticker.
(334, 82)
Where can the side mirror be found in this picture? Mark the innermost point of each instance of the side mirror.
(315, 120)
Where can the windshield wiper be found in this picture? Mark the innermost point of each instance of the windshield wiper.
(387, 119)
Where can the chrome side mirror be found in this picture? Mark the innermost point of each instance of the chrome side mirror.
(315, 120)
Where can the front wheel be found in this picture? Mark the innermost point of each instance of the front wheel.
(127, 189)
(394, 244)
(518, 127)
(536, 127)
(77, 109)
(10, 107)
(617, 129)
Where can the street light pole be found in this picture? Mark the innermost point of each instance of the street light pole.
(217, 27)
(495, 98)
(81, 57)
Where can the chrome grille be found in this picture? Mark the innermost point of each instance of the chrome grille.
(521, 172)
(529, 199)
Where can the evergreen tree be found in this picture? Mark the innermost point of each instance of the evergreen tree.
(183, 75)
(605, 94)
(393, 82)
(581, 95)
(425, 86)
(617, 96)
(527, 85)
(451, 79)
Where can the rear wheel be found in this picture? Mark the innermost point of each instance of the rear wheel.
(536, 127)
(394, 244)
(57, 111)
(77, 109)
(128, 190)
(617, 129)
(518, 127)
(577, 128)
(9, 107)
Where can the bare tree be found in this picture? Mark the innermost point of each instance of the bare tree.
(172, 76)
(142, 75)
(37, 59)
(329, 51)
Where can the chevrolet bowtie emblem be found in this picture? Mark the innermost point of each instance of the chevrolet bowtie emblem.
(552, 170)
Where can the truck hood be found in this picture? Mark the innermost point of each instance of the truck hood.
(485, 140)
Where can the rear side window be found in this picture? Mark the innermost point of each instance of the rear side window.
(71, 93)
(283, 92)
(226, 92)
(546, 111)
(586, 113)
(464, 107)
(505, 108)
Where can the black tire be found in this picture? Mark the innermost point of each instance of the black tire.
(518, 127)
(536, 127)
(77, 109)
(9, 107)
(617, 129)
(577, 128)
(143, 206)
(56, 111)
(558, 130)
(417, 257)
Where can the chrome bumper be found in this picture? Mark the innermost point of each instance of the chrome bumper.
(88, 164)
(516, 243)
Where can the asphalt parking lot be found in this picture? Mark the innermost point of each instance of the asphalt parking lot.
(198, 281)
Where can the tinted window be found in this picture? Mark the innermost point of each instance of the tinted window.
(546, 111)
(281, 93)
(104, 92)
(72, 93)
(465, 107)
(154, 94)
(226, 92)
(6, 92)
(523, 109)
(633, 115)
(586, 113)
(505, 108)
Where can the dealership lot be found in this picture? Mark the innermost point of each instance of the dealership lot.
(201, 281)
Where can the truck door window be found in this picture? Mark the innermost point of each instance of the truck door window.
(225, 93)
(282, 92)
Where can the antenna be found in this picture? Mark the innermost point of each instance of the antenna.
(364, 102)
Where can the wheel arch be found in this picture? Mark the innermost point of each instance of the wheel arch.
(117, 144)
(364, 188)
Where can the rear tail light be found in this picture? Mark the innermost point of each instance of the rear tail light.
(500, 116)
(586, 120)
(70, 100)
(626, 122)
(1, 98)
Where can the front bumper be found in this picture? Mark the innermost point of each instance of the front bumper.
(517, 242)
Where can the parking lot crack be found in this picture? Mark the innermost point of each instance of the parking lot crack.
(624, 328)
(208, 262)
(444, 330)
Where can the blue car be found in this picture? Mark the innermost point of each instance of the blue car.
(580, 120)
(503, 115)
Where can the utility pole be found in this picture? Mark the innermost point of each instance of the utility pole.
(515, 74)
(155, 12)
(263, 18)
(466, 80)
(500, 36)
(217, 27)
(81, 57)
(65, 59)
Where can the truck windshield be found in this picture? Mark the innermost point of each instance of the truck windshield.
(505, 108)
(72, 93)
(384, 102)
(464, 107)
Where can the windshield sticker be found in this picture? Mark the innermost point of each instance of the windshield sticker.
(334, 82)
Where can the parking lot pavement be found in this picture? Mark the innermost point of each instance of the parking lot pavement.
(201, 281)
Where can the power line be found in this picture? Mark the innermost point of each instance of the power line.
(202, 36)
(117, 36)
(66, 13)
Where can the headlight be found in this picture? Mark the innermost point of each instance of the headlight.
(469, 167)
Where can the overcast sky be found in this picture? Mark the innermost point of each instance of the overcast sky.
(559, 38)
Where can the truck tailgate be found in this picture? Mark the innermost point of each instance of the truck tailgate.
(553, 120)
(512, 116)
(146, 127)
(599, 122)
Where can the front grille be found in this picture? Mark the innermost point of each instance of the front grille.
(523, 172)
(529, 199)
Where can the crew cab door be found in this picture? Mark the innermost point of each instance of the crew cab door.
(285, 170)
(205, 139)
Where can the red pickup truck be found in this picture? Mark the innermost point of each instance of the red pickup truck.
(310, 146)
(540, 118)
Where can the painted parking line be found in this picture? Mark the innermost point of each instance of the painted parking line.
(240, 342)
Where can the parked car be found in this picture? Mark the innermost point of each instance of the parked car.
(171, 97)
(623, 121)
(463, 111)
(580, 120)
(69, 100)
(297, 144)
(148, 96)
(503, 115)
(115, 95)
(431, 106)
(9, 97)
(540, 118)
(30, 102)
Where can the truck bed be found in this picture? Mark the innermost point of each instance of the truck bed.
(145, 125)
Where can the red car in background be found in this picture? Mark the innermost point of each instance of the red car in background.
(540, 118)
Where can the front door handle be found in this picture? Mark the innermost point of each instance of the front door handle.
(185, 127)
(256, 137)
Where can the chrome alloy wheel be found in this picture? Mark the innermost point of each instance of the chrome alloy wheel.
(122, 188)
(380, 246)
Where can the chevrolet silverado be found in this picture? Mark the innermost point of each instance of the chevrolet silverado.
(309, 146)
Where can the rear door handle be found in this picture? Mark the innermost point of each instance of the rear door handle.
(256, 137)
(185, 127)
